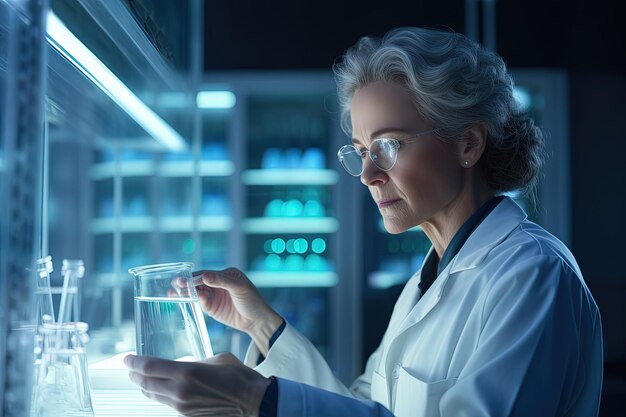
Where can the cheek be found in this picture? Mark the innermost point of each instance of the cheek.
(430, 176)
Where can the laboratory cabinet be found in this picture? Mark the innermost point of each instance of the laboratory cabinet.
(260, 191)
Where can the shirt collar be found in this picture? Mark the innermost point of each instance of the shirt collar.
(464, 232)
(498, 224)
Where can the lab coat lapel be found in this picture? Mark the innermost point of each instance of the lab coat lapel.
(493, 230)
(426, 302)
(489, 234)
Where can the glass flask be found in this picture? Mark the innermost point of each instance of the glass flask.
(169, 322)
(43, 295)
(61, 382)
(73, 271)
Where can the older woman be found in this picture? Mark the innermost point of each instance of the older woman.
(497, 322)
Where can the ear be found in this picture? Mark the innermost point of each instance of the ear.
(473, 146)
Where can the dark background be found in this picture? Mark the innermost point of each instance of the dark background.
(585, 38)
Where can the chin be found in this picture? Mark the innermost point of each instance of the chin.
(394, 228)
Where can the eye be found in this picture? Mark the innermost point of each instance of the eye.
(362, 152)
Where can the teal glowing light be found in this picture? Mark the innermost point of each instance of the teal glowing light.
(290, 246)
(278, 246)
(216, 100)
(273, 262)
(189, 246)
(315, 262)
(300, 245)
(318, 245)
(267, 246)
(292, 208)
(294, 263)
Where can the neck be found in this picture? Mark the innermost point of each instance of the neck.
(444, 224)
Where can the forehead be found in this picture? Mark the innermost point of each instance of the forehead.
(382, 104)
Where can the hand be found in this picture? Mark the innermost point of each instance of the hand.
(219, 386)
(230, 298)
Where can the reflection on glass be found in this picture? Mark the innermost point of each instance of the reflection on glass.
(168, 318)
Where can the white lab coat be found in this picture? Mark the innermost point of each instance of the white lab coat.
(509, 328)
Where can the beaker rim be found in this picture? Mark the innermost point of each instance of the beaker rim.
(172, 266)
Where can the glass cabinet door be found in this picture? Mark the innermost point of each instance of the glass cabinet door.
(291, 219)
(124, 144)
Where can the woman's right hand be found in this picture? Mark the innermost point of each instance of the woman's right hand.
(229, 297)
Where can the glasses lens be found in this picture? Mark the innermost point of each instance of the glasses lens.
(383, 152)
(350, 158)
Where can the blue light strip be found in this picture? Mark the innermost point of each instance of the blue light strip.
(68, 45)
(216, 100)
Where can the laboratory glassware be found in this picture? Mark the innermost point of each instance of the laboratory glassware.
(169, 322)
(73, 271)
(61, 382)
(43, 294)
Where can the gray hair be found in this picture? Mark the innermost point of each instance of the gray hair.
(455, 83)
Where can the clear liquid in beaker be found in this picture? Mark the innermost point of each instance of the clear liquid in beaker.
(171, 328)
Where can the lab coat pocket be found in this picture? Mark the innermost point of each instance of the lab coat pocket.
(380, 392)
(416, 398)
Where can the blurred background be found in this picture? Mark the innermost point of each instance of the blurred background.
(149, 131)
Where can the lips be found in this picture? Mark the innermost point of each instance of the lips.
(386, 203)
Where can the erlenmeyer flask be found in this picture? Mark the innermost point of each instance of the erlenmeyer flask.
(168, 319)
(61, 385)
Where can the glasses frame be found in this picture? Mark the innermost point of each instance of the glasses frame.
(397, 143)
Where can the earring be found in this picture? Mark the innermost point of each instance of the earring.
(466, 163)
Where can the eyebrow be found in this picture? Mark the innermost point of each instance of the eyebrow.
(384, 130)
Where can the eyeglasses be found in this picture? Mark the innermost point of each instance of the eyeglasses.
(383, 152)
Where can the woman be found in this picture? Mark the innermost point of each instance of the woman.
(497, 322)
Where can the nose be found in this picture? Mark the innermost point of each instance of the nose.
(372, 175)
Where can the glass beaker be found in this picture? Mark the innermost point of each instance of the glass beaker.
(168, 319)
(61, 385)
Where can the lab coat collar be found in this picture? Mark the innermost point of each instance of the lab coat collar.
(491, 232)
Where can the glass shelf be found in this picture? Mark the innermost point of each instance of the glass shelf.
(263, 225)
(111, 279)
(206, 169)
(106, 170)
(205, 224)
(167, 224)
(165, 169)
(265, 279)
(126, 224)
(289, 177)
(382, 279)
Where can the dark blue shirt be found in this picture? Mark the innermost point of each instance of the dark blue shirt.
(433, 266)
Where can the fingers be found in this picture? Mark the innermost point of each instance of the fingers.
(154, 367)
(224, 358)
(151, 384)
(229, 279)
(163, 399)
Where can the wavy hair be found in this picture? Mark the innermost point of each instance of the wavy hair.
(455, 83)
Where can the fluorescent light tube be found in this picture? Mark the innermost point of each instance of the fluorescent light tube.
(215, 100)
(80, 56)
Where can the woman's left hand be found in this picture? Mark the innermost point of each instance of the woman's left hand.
(219, 386)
